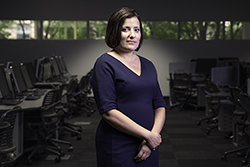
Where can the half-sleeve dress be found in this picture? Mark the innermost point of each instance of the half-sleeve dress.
(115, 86)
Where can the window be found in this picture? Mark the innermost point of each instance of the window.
(200, 30)
(97, 29)
(17, 29)
(64, 29)
(233, 30)
(156, 30)
(205, 30)
(160, 30)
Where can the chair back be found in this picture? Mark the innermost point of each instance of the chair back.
(235, 94)
(50, 97)
(83, 82)
(7, 122)
(182, 81)
(72, 86)
(244, 100)
(48, 113)
(211, 87)
(5, 142)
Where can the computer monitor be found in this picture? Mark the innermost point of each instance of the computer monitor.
(241, 75)
(39, 70)
(62, 64)
(204, 65)
(18, 79)
(228, 61)
(47, 73)
(59, 65)
(9, 64)
(26, 77)
(56, 71)
(4, 88)
(31, 71)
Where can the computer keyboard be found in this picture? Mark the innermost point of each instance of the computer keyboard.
(11, 101)
(38, 93)
(34, 93)
(32, 97)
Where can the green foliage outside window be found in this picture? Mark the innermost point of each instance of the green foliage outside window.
(160, 30)
(97, 29)
(64, 30)
(200, 30)
(156, 30)
(233, 30)
(166, 30)
(4, 26)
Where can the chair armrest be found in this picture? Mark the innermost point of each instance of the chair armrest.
(45, 108)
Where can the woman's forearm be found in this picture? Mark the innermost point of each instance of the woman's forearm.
(160, 116)
(124, 124)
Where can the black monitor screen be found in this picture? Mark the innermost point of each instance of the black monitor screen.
(39, 68)
(62, 63)
(31, 71)
(203, 66)
(26, 77)
(4, 88)
(18, 78)
(55, 67)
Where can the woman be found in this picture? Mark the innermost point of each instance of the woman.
(128, 97)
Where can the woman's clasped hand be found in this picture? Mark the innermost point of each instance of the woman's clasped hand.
(146, 147)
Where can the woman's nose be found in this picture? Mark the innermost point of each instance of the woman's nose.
(132, 34)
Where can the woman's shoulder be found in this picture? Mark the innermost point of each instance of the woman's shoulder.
(105, 57)
(145, 60)
(105, 60)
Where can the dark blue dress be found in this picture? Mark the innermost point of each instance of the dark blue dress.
(115, 86)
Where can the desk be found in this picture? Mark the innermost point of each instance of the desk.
(197, 82)
(49, 85)
(26, 105)
(198, 78)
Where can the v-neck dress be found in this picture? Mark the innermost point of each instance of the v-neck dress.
(115, 86)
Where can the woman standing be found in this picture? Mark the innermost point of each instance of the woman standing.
(128, 97)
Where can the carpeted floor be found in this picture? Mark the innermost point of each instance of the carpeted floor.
(185, 144)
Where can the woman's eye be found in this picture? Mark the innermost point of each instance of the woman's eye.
(137, 30)
(128, 29)
(125, 29)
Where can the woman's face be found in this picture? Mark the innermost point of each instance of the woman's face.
(130, 35)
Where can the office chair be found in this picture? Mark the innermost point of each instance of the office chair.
(7, 147)
(67, 109)
(212, 102)
(244, 101)
(44, 124)
(182, 90)
(239, 116)
(84, 102)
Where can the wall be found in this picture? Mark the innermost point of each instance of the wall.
(149, 10)
(81, 55)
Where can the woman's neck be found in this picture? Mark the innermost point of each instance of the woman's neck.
(124, 54)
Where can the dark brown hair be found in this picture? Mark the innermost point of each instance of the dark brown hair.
(115, 23)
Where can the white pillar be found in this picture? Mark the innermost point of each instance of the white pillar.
(246, 30)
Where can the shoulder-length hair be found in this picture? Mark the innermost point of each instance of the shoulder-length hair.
(115, 23)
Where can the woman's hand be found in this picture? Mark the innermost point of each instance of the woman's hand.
(144, 152)
(154, 140)
(124, 124)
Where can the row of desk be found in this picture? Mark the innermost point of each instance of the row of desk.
(27, 106)
(198, 82)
